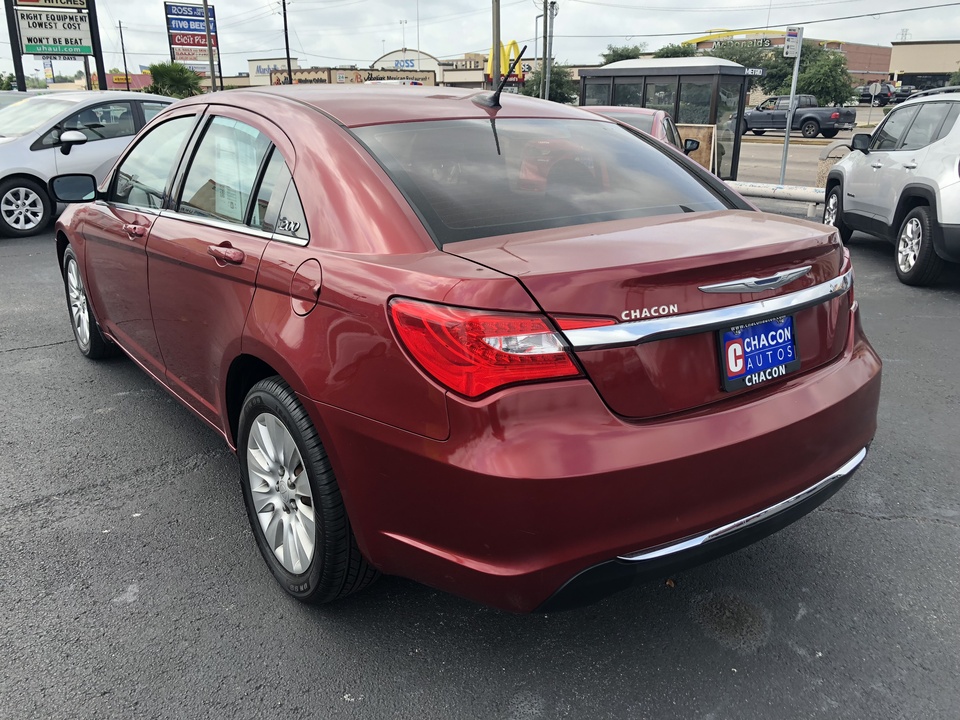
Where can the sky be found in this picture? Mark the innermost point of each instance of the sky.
(356, 32)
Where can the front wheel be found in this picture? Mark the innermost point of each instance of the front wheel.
(829, 133)
(293, 500)
(86, 331)
(810, 129)
(917, 260)
(833, 214)
(758, 132)
(25, 207)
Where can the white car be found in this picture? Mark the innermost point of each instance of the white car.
(65, 132)
(903, 183)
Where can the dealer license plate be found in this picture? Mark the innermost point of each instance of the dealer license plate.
(756, 353)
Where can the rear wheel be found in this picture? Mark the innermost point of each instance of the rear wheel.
(293, 500)
(758, 132)
(25, 207)
(829, 133)
(90, 341)
(917, 260)
(833, 213)
(743, 127)
(810, 129)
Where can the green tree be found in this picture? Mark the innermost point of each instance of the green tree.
(622, 52)
(173, 79)
(8, 81)
(827, 78)
(563, 88)
(746, 56)
(954, 79)
(675, 51)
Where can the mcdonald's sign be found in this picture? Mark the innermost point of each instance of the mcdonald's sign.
(508, 53)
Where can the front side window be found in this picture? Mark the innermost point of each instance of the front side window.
(223, 170)
(145, 172)
(889, 133)
(471, 179)
(926, 126)
(152, 108)
(102, 122)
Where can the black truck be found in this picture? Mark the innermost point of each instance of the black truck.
(810, 119)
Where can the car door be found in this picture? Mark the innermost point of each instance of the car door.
(763, 117)
(108, 127)
(205, 254)
(862, 191)
(116, 235)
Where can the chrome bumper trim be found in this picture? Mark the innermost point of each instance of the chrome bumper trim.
(677, 547)
(640, 331)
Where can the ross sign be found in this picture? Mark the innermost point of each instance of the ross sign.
(73, 4)
(791, 43)
(48, 32)
(189, 11)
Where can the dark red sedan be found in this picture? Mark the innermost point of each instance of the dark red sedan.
(511, 349)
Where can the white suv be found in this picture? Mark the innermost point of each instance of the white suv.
(903, 183)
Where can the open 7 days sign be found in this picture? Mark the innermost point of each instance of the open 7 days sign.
(49, 32)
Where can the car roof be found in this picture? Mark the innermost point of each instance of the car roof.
(358, 105)
(948, 94)
(83, 96)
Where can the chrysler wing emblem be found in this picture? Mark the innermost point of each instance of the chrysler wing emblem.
(754, 284)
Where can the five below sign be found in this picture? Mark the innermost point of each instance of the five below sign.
(45, 32)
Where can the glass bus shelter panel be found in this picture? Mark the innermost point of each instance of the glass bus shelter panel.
(661, 94)
(696, 95)
(728, 118)
(628, 92)
(597, 93)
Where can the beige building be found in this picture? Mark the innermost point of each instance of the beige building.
(926, 64)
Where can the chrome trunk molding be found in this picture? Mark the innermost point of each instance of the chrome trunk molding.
(640, 331)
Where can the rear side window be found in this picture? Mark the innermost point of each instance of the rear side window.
(889, 133)
(143, 175)
(224, 170)
(926, 126)
(151, 109)
(478, 178)
(277, 208)
(950, 120)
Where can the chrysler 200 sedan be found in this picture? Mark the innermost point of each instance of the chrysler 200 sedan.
(509, 349)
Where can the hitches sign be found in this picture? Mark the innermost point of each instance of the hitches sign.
(45, 32)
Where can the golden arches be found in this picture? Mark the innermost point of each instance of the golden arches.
(508, 53)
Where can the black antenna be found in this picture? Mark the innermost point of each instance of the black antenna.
(493, 101)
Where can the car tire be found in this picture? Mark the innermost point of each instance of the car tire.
(829, 133)
(875, 103)
(916, 259)
(833, 213)
(758, 132)
(743, 127)
(810, 129)
(293, 500)
(25, 207)
(86, 331)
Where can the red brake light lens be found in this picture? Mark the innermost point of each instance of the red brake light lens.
(835, 116)
(475, 351)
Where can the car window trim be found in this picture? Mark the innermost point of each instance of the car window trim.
(232, 227)
(258, 181)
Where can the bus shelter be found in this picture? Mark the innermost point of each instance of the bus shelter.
(705, 96)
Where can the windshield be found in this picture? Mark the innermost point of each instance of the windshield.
(640, 122)
(28, 115)
(478, 178)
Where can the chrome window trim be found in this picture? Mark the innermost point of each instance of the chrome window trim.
(765, 514)
(153, 212)
(233, 227)
(640, 331)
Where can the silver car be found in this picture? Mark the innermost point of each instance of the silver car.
(903, 183)
(65, 132)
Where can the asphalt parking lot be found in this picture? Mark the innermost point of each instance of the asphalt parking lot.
(130, 585)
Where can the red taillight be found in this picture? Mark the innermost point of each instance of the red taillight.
(475, 351)
(834, 116)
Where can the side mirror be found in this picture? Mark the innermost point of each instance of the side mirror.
(690, 145)
(69, 138)
(861, 142)
(73, 188)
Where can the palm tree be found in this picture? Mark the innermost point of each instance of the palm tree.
(174, 79)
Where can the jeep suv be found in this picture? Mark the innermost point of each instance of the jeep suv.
(903, 183)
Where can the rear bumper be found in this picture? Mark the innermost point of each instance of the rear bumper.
(618, 574)
(537, 486)
(949, 246)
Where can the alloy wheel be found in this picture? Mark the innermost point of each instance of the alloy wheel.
(830, 211)
(22, 208)
(281, 493)
(79, 312)
(908, 246)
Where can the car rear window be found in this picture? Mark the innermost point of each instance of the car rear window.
(640, 122)
(478, 178)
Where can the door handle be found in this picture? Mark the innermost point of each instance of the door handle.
(876, 165)
(910, 166)
(134, 231)
(227, 254)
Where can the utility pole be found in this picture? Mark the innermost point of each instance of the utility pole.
(206, 27)
(543, 55)
(418, 35)
(95, 45)
(495, 53)
(16, 49)
(550, 16)
(123, 51)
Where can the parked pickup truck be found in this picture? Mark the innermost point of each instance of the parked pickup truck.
(809, 119)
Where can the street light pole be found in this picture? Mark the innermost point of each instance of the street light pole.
(123, 51)
(286, 42)
(495, 53)
(206, 26)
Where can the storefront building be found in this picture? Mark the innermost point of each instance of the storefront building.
(925, 64)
